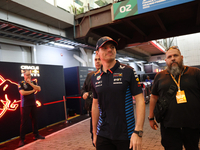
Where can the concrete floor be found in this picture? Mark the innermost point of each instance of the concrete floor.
(77, 137)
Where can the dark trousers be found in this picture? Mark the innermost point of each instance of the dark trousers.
(25, 113)
(91, 127)
(107, 144)
(175, 138)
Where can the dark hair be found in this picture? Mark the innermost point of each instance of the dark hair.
(26, 70)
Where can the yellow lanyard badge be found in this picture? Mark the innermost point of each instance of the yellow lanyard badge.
(180, 95)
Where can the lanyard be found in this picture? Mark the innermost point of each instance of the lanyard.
(179, 80)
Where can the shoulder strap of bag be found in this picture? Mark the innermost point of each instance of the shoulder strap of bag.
(170, 93)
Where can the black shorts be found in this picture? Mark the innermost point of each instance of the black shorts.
(107, 144)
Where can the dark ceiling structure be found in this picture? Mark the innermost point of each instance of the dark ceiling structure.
(134, 34)
(14, 31)
(168, 22)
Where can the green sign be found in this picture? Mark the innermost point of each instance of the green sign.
(79, 2)
(125, 9)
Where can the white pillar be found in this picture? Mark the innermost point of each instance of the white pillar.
(33, 52)
(55, 3)
(85, 57)
(82, 61)
(141, 65)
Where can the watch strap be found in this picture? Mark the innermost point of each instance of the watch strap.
(151, 118)
(139, 133)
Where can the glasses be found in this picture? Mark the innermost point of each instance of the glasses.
(173, 47)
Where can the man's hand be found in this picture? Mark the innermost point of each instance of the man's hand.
(28, 81)
(135, 142)
(153, 124)
(85, 95)
(35, 87)
(94, 139)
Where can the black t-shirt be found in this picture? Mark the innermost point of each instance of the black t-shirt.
(184, 114)
(114, 91)
(27, 100)
(87, 88)
(87, 84)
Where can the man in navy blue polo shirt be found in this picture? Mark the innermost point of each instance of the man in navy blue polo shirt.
(114, 124)
(27, 89)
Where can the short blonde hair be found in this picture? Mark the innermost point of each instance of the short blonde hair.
(173, 47)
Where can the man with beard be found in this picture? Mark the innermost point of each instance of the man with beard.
(180, 125)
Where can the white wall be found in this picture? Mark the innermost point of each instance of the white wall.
(189, 46)
(47, 9)
(15, 53)
(52, 55)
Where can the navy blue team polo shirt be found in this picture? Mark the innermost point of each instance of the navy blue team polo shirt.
(27, 100)
(114, 91)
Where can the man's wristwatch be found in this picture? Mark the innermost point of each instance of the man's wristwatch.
(139, 133)
(151, 118)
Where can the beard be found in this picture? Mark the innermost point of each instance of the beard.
(175, 69)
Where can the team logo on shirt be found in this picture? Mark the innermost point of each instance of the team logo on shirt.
(25, 85)
(98, 77)
(117, 74)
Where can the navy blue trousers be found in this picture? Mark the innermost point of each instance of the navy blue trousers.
(27, 113)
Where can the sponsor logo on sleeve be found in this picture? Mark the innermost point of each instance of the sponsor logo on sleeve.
(136, 76)
(121, 67)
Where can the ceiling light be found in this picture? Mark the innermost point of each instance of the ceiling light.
(62, 45)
